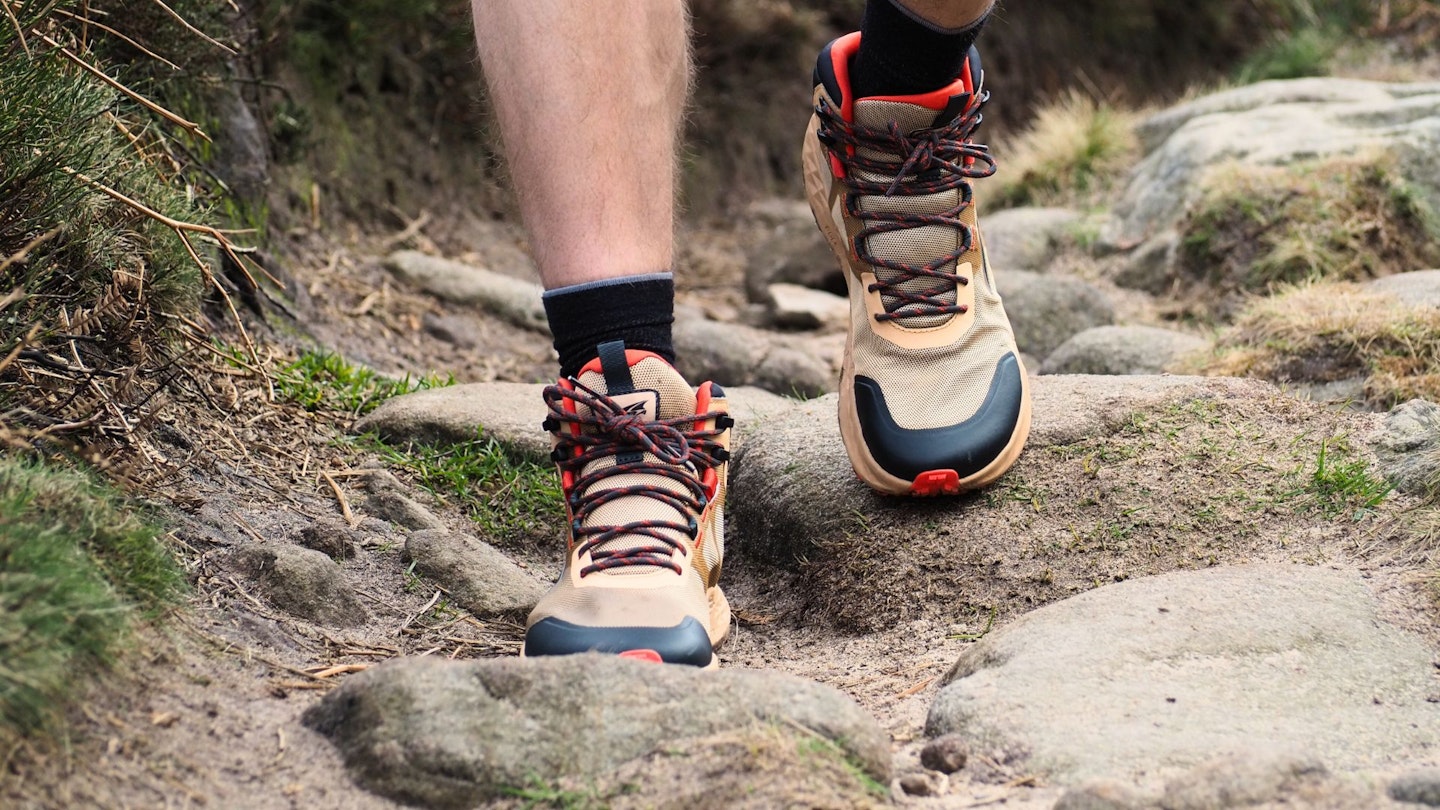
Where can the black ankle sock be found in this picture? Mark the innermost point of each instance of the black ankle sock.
(636, 309)
(901, 54)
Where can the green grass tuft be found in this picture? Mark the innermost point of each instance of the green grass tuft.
(76, 569)
(1342, 484)
(1073, 152)
(1341, 219)
(1292, 55)
(512, 498)
(324, 381)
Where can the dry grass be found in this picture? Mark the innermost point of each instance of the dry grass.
(1074, 152)
(1326, 332)
(1343, 219)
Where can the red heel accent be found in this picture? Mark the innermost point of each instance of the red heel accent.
(643, 655)
(936, 482)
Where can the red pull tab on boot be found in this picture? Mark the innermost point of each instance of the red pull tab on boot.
(643, 655)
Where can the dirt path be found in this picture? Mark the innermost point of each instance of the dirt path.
(207, 714)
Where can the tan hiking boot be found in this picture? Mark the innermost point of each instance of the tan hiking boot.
(933, 398)
(643, 462)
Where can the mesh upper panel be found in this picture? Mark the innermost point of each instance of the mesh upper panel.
(911, 245)
(651, 596)
(676, 399)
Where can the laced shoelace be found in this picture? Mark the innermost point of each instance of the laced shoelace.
(930, 161)
(679, 454)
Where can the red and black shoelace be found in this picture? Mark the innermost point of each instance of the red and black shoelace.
(672, 448)
(921, 162)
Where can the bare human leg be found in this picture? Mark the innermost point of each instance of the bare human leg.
(589, 98)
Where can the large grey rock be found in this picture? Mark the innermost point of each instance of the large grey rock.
(1026, 238)
(733, 354)
(1274, 123)
(1121, 350)
(1157, 674)
(511, 413)
(1407, 445)
(1045, 311)
(302, 582)
(786, 247)
(517, 301)
(480, 578)
(454, 734)
(1421, 287)
(1417, 787)
(390, 500)
(1102, 450)
(1149, 267)
(792, 306)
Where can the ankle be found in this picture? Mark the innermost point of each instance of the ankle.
(903, 54)
(638, 309)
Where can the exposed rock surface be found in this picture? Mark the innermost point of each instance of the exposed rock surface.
(1026, 238)
(390, 500)
(1097, 495)
(1273, 123)
(733, 354)
(480, 579)
(512, 299)
(792, 306)
(511, 413)
(1255, 659)
(1121, 350)
(1417, 787)
(1045, 311)
(1408, 445)
(330, 536)
(754, 768)
(454, 734)
(1418, 287)
(302, 582)
(786, 247)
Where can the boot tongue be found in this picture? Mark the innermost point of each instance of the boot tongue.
(657, 391)
(913, 246)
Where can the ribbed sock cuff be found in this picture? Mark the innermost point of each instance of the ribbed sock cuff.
(639, 310)
(901, 54)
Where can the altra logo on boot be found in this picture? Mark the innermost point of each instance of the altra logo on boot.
(644, 404)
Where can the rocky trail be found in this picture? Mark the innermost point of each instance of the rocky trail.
(1193, 591)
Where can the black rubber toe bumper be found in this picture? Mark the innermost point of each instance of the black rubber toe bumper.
(685, 643)
(966, 448)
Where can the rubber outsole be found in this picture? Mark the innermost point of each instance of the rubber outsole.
(718, 631)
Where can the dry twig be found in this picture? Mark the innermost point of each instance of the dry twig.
(340, 497)
(185, 124)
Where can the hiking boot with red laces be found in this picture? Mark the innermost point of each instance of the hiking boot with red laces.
(643, 461)
(933, 399)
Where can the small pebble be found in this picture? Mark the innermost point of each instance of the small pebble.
(329, 536)
(917, 784)
(946, 754)
(1101, 795)
(1418, 787)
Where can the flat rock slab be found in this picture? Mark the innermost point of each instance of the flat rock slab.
(1047, 310)
(1270, 124)
(454, 734)
(1123, 477)
(512, 299)
(477, 576)
(1419, 288)
(1121, 350)
(1143, 678)
(512, 413)
(1027, 238)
